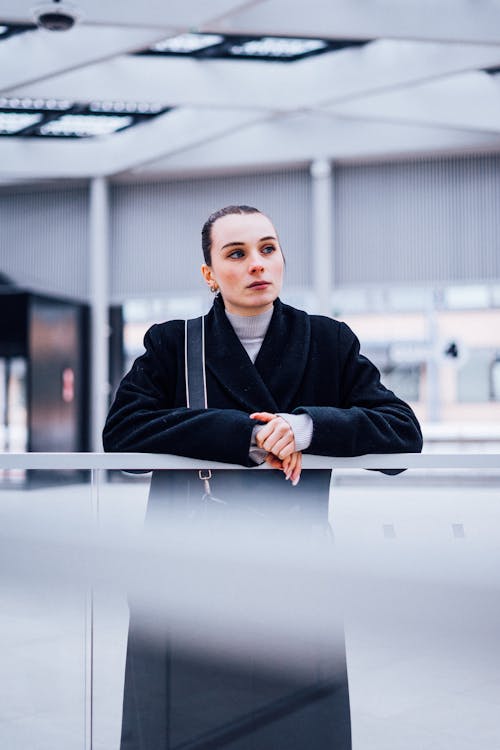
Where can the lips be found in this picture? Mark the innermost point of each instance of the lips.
(258, 284)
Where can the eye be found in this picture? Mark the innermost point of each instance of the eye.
(268, 249)
(236, 254)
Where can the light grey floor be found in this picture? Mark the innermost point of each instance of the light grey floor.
(419, 680)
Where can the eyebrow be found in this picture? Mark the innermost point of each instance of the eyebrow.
(233, 244)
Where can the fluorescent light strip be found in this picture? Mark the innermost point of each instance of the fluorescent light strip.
(85, 125)
(13, 122)
(186, 43)
(277, 47)
(140, 108)
(28, 103)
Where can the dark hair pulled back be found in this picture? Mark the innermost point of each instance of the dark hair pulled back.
(206, 232)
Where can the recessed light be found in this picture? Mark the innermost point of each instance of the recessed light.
(85, 125)
(13, 122)
(187, 43)
(277, 47)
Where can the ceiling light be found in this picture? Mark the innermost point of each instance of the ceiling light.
(85, 125)
(141, 108)
(13, 122)
(27, 103)
(277, 47)
(187, 43)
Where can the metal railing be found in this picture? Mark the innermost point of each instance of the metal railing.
(152, 461)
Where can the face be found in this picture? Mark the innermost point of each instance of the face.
(247, 263)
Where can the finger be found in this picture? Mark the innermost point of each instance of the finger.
(293, 462)
(262, 416)
(281, 447)
(278, 431)
(263, 434)
(286, 450)
(274, 461)
(279, 427)
(297, 470)
(288, 465)
(292, 466)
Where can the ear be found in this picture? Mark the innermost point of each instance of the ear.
(207, 274)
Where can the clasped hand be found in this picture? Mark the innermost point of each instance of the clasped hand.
(277, 438)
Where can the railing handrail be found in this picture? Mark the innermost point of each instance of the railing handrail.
(152, 461)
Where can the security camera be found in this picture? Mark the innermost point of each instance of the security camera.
(56, 16)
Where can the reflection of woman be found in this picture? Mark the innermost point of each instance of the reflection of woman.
(279, 382)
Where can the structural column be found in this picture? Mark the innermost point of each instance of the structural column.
(322, 230)
(99, 297)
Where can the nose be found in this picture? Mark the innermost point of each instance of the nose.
(256, 265)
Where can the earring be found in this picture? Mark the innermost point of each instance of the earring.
(214, 288)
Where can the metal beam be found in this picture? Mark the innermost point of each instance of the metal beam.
(99, 263)
(321, 176)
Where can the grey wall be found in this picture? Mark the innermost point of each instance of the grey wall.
(422, 221)
(44, 239)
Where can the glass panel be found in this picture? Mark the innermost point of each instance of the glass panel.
(473, 378)
(44, 612)
(403, 380)
(495, 379)
(13, 416)
(413, 571)
(422, 613)
(467, 297)
(252, 588)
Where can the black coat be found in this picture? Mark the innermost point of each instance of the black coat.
(307, 363)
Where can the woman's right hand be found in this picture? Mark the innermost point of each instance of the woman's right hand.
(291, 464)
(275, 436)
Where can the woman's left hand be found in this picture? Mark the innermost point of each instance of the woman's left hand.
(276, 436)
(291, 466)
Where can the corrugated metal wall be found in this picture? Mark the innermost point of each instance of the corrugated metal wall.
(44, 239)
(156, 228)
(424, 221)
(436, 220)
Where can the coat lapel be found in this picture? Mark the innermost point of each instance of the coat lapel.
(270, 384)
(283, 356)
(228, 362)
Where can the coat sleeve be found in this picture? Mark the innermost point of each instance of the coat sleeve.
(369, 419)
(143, 417)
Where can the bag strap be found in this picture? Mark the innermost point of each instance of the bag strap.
(194, 355)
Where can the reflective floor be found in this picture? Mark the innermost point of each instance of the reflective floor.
(418, 680)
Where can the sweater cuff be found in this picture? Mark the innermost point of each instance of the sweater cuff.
(258, 455)
(302, 428)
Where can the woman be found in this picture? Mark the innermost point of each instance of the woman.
(279, 382)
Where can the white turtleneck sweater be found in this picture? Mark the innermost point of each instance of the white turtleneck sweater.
(251, 330)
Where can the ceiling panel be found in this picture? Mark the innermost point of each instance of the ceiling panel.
(441, 20)
(298, 139)
(39, 55)
(470, 101)
(146, 13)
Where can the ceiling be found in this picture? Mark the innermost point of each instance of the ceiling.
(418, 86)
